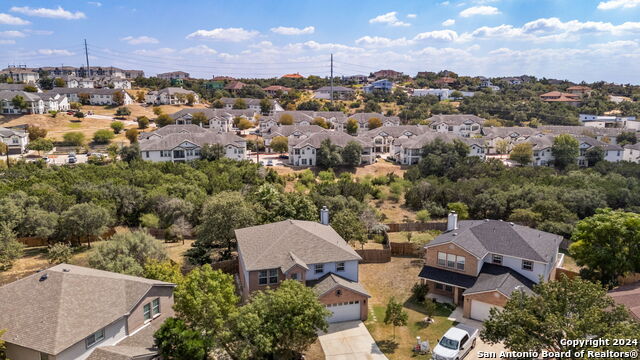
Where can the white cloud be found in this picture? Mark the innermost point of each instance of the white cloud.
(12, 34)
(224, 34)
(58, 13)
(316, 46)
(449, 22)
(441, 35)
(140, 40)
(7, 42)
(479, 10)
(382, 42)
(6, 19)
(389, 18)
(95, 3)
(57, 52)
(411, 16)
(199, 50)
(155, 52)
(445, 3)
(39, 32)
(618, 4)
(283, 30)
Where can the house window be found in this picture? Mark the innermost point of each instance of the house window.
(340, 266)
(273, 276)
(527, 265)
(94, 338)
(262, 277)
(496, 259)
(460, 263)
(451, 260)
(439, 286)
(442, 259)
(319, 268)
(448, 288)
(155, 306)
(147, 312)
(294, 276)
(146, 154)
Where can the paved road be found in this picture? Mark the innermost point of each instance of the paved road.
(350, 340)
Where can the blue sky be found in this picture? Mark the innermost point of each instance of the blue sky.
(569, 39)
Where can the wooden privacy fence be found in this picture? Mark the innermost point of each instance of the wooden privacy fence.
(228, 266)
(404, 249)
(33, 241)
(417, 226)
(375, 256)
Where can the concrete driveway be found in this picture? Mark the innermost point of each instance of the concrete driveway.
(481, 346)
(349, 340)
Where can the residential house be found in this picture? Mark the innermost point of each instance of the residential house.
(624, 122)
(100, 97)
(302, 152)
(384, 138)
(234, 86)
(618, 99)
(35, 104)
(409, 151)
(55, 102)
(273, 90)
(479, 264)
(310, 252)
(73, 312)
(21, 75)
(220, 120)
(608, 135)
(557, 96)
(632, 153)
(111, 71)
(170, 96)
(442, 94)
(292, 76)
(16, 140)
(497, 137)
(291, 132)
(252, 104)
(181, 143)
(174, 75)
(363, 120)
(76, 82)
(382, 85)
(612, 152)
(580, 90)
(355, 79)
(542, 149)
(463, 125)
(387, 74)
(445, 81)
(339, 93)
(629, 296)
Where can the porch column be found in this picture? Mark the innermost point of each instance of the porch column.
(456, 295)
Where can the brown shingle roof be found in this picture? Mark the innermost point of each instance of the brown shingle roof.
(72, 302)
(270, 246)
(629, 296)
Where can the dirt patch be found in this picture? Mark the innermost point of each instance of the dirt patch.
(382, 167)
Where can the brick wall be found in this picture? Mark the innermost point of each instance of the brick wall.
(471, 262)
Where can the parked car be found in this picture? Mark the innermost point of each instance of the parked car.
(72, 160)
(270, 163)
(456, 343)
(284, 156)
(261, 162)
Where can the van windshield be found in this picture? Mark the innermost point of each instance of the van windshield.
(449, 344)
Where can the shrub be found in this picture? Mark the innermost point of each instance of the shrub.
(117, 126)
(103, 136)
(59, 253)
(143, 122)
(10, 248)
(423, 215)
(420, 291)
(123, 111)
(79, 115)
(132, 135)
(150, 220)
(73, 138)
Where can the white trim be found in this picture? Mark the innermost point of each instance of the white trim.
(440, 282)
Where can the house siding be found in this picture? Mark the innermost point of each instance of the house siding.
(471, 262)
(113, 333)
(165, 294)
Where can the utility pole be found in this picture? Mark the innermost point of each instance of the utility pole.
(86, 54)
(331, 78)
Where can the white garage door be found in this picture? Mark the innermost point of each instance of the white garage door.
(344, 312)
(480, 310)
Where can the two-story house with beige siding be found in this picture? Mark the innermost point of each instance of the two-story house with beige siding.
(478, 264)
(310, 252)
(70, 312)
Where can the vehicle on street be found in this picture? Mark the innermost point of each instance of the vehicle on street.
(284, 156)
(72, 160)
(456, 343)
(270, 163)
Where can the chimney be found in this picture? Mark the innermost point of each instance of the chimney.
(324, 216)
(452, 221)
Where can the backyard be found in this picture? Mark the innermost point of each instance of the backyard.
(396, 278)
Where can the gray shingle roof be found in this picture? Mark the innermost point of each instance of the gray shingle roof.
(172, 91)
(501, 278)
(338, 138)
(330, 281)
(480, 237)
(170, 141)
(579, 130)
(10, 94)
(286, 130)
(396, 131)
(91, 91)
(269, 246)
(418, 142)
(455, 119)
(601, 144)
(52, 314)
(4, 132)
(539, 142)
(492, 132)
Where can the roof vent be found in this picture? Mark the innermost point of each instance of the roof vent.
(44, 277)
(511, 224)
(66, 270)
